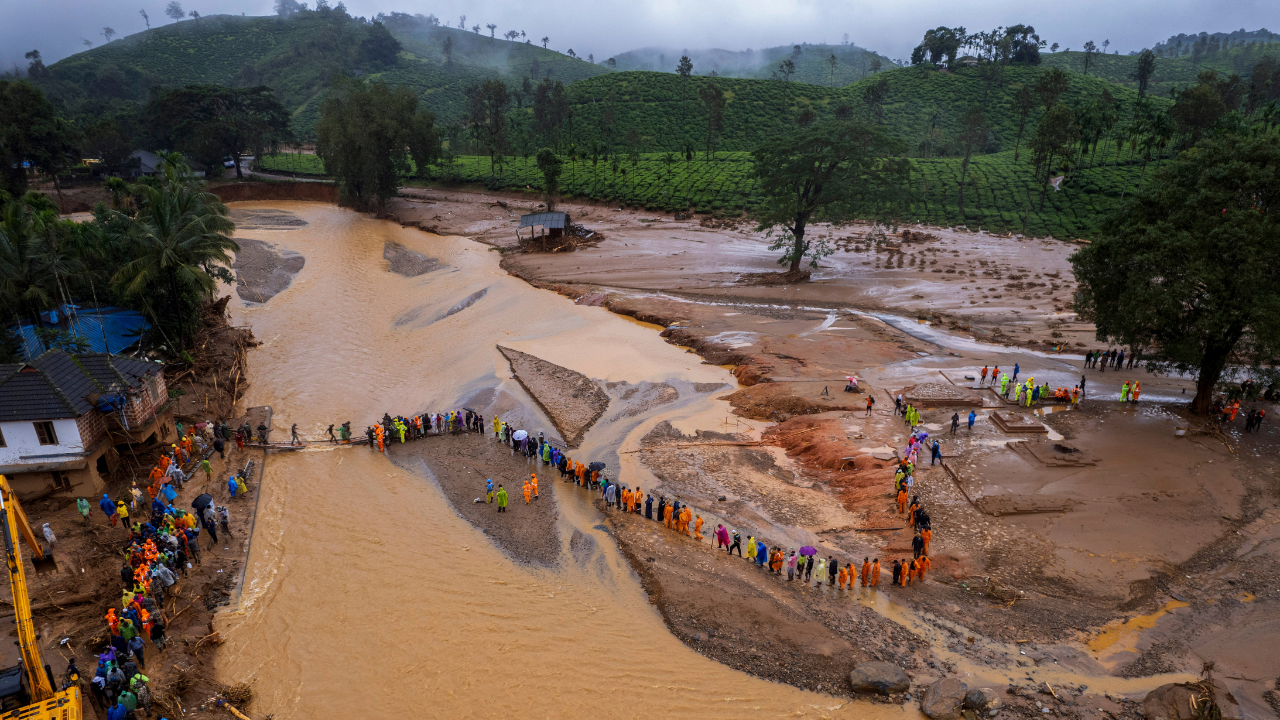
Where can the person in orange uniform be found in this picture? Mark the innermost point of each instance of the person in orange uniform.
(666, 515)
(775, 561)
(911, 513)
(533, 483)
(922, 565)
(842, 577)
(697, 529)
(626, 499)
(113, 622)
(907, 569)
(528, 492)
(902, 500)
(686, 516)
(164, 463)
(875, 572)
(866, 571)
(927, 535)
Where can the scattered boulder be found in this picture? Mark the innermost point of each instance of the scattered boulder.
(1174, 702)
(982, 699)
(943, 699)
(1170, 702)
(884, 678)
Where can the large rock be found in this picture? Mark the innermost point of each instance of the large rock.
(944, 699)
(1173, 702)
(879, 677)
(982, 700)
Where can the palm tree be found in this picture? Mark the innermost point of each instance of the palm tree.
(25, 284)
(180, 243)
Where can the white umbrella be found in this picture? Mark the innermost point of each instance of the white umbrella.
(520, 435)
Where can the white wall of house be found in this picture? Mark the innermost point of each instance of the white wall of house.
(20, 439)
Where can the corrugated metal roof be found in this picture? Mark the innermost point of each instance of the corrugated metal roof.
(57, 385)
(546, 219)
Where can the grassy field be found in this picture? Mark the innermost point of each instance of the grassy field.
(1000, 195)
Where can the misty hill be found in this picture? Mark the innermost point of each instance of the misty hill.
(296, 57)
(812, 62)
(1171, 70)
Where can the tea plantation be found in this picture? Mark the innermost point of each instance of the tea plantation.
(1000, 195)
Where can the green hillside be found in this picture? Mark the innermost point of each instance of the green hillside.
(296, 57)
(662, 114)
(1170, 72)
(919, 104)
(812, 62)
(999, 192)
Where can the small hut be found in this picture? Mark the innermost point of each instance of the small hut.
(553, 224)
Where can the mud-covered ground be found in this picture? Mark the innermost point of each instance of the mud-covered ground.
(71, 603)
(462, 462)
(1092, 559)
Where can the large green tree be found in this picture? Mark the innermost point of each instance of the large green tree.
(212, 122)
(828, 172)
(364, 137)
(713, 100)
(1189, 269)
(487, 105)
(32, 136)
(550, 165)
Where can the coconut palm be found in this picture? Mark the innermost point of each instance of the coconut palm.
(26, 287)
(179, 242)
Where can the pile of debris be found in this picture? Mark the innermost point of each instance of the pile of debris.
(572, 238)
(213, 378)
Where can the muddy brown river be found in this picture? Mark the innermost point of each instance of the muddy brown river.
(366, 595)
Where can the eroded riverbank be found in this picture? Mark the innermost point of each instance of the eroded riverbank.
(349, 340)
(367, 594)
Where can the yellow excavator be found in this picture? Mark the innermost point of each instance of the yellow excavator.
(27, 689)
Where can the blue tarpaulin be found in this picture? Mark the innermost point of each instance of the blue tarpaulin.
(122, 329)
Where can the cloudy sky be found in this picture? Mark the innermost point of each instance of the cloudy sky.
(58, 28)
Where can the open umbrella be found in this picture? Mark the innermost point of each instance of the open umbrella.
(596, 466)
(520, 435)
(202, 502)
(808, 550)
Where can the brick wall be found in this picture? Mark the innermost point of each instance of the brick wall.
(93, 429)
(143, 402)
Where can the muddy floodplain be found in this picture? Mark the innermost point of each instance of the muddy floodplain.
(1018, 601)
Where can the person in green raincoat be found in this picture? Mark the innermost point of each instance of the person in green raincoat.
(83, 506)
(502, 498)
(546, 453)
(1124, 392)
(1004, 384)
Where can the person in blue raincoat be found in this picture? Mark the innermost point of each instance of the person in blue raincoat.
(231, 485)
(108, 508)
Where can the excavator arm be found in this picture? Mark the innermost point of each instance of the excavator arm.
(46, 702)
(41, 688)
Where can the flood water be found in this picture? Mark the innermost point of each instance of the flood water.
(366, 595)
